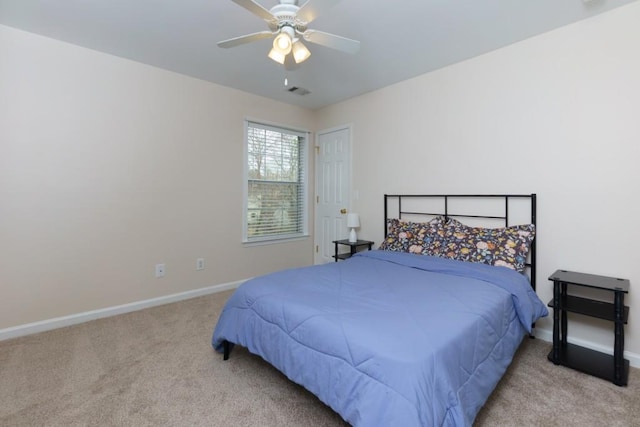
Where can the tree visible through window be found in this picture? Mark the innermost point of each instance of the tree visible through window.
(276, 190)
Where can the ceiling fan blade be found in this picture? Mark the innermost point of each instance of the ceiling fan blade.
(236, 41)
(255, 8)
(331, 40)
(313, 8)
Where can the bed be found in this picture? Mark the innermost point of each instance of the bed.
(416, 333)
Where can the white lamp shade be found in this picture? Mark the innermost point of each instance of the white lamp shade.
(277, 56)
(353, 220)
(300, 52)
(282, 43)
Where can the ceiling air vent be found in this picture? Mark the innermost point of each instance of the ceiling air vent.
(298, 90)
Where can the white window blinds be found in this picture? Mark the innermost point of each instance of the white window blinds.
(276, 184)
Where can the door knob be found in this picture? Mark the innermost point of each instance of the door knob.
(343, 211)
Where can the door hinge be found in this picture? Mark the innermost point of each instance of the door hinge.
(317, 149)
(317, 199)
(316, 248)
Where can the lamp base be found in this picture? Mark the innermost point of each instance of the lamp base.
(352, 236)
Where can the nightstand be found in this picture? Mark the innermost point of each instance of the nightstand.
(353, 248)
(613, 368)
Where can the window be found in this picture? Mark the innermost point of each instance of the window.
(276, 190)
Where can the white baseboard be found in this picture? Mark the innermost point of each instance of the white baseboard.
(74, 319)
(547, 335)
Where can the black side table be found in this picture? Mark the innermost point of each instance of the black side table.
(613, 368)
(353, 248)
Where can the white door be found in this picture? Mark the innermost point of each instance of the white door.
(333, 180)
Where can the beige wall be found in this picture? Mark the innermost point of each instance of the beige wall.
(108, 167)
(557, 115)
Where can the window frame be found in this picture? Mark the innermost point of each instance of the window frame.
(303, 165)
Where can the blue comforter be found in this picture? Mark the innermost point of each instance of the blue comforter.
(387, 338)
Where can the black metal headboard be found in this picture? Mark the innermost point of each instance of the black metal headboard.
(444, 208)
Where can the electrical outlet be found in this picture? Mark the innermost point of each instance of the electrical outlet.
(200, 264)
(159, 270)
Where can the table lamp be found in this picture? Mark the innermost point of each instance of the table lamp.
(353, 222)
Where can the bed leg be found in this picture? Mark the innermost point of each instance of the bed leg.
(531, 336)
(227, 346)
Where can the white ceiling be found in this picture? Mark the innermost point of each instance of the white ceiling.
(399, 39)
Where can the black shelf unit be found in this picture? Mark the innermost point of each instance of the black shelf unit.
(353, 248)
(612, 368)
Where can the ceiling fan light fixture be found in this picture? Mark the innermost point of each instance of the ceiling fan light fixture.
(277, 56)
(300, 52)
(284, 40)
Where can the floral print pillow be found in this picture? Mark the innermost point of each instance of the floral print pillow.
(408, 236)
(505, 247)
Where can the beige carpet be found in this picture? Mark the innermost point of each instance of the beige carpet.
(156, 367)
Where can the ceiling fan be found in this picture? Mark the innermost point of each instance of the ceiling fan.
(288, 25)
